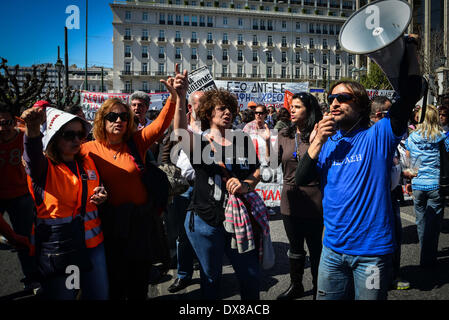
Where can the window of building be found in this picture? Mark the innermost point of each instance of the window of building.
(298, 41)
(209, 37)
(193, 66)
(337, 59)
(127, 51)
(177, 53)
(297, 72)
(262, 24)
(269, 72)
(194, 21)
(210, 21)
(337, 73)
(224, 69)
(325, 43)
(240, 22)
(144, 52)
(284, 41)
(254, 73)
(209, 67)
(194, 36)
(128, 15)
(240, 39)
(161, 35)
(284, 56)
(297, 57)
(270, 41)
(255, 24)
(283, 72)
(225, 20)
(178, 20)
(270, 25)
(239, 70)
(145, 86)
(128, 86)
(161, 52)
(144, 16)
(161, 68)
(324, 58)
(311, 28)
(284, 25)
(225, 37)
(239, 55)
(144, 67)
(202, 21)
(145, 34)
(177, 36)
(311, 58)
(350, 59)
(311, 69)
(298, 26)
(311, 44)
(161, 18)
(255, 55)
(209, 54)
(127, 67)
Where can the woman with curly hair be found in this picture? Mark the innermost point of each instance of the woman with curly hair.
(213, 185)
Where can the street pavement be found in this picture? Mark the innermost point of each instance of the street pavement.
(432, 284)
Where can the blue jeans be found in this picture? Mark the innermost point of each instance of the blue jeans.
(21, 214)
(347, 277)
(429, 216)
(210, 243)
(184, 250)
(93, 283)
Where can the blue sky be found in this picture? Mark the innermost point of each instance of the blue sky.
(31, 30)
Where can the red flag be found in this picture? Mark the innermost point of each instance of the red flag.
(287, 99)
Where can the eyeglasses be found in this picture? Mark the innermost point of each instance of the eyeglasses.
(113, 116)
(70, 135)
(9, 122)
(341, 97)
(259, 113)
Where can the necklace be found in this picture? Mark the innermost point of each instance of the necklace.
(118, 151)
(347, 132)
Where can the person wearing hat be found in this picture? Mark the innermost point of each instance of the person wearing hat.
(252, 105)
(66, 189)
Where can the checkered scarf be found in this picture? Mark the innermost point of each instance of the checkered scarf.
(237, 221)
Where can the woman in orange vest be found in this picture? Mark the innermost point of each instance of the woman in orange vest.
(128, 240)
(66, 189)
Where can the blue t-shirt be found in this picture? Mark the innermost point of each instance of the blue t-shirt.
(355, 178)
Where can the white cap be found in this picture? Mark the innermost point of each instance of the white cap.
(56, 119)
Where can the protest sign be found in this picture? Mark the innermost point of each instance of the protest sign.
(92, 101)
(200, 80)
(268, 93)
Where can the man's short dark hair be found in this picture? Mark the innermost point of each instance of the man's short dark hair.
(377, 104)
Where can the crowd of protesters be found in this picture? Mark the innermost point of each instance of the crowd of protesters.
(95, 195)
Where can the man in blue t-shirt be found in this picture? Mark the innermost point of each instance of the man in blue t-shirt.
(353, 161)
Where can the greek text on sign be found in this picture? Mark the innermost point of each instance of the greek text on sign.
(200, 80)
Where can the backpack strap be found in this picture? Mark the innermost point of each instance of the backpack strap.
(84, 178)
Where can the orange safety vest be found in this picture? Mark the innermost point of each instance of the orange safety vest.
(62, 199)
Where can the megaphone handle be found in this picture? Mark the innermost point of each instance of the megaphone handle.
(424, 102)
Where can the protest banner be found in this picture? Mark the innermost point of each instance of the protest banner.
(268, 93)
(270, 193)
(91, 101)
(200, 80)
(374, 92)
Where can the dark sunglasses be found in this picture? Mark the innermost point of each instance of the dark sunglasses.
(9, 122)
(259, 112)
(113, 116)
(70, 135)
(341, 97)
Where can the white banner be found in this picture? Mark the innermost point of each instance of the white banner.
(261, 92)
(374, 92)
(92, 101)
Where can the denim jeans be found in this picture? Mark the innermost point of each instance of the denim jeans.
(347, 277)
(210, 243)
(184, 250)
(398, 235)
(93, 283)
(21, 214)
(429, 216)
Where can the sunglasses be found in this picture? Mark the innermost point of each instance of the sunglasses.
(113, 116)
(70, 135)
(259, 112)
(341, 97)
(9, 122)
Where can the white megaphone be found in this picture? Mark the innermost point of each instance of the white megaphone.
(377, 29)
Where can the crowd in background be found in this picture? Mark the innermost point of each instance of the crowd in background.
(99, 188)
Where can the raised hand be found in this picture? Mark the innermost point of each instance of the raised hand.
(33, 118)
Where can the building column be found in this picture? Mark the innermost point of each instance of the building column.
(427, 18)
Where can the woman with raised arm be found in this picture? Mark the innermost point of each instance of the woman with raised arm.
(223, 168)
(65, 186)
(127, 234)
